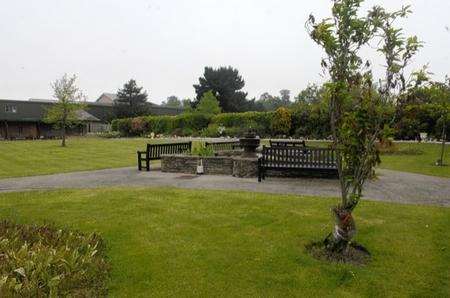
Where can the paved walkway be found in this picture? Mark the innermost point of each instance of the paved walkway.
(391, 186)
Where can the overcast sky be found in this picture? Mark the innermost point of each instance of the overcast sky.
(165, 44)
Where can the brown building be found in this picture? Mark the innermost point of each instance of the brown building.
(23, 119)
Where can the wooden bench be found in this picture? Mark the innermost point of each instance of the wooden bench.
(223, 145)
(291, 158)
(287, 143)
(154, 152)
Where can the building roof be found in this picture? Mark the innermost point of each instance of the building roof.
(35, 111)
(85, 116)
(42, 100)
(111, 97)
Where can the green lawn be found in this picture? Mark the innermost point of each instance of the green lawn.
(166, 242)
(28, 158)
(421, 163)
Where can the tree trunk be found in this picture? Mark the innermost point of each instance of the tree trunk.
(441, 160)
(344, 230)
(63, 142)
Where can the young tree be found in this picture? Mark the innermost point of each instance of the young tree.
(225, 83)
(353, 102)
(65, 112)
(131, 101)
(208, 104)
(440, 98)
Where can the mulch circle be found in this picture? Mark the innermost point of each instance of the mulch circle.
(354, 254)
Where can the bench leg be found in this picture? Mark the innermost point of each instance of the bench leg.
(147, 164)
(139, 163)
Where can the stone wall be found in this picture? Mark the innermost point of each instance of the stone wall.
(245, 167)
(179, 164)
(230, 165)
(212, 165)
(187, 164)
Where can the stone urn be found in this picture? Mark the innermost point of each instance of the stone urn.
(249, 143)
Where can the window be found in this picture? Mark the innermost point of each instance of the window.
(10, 109)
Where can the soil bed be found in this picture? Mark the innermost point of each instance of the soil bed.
(355, 254)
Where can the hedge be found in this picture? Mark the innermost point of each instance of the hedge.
(184, 124)
(304, 121)
(236, 124)
(266, 124)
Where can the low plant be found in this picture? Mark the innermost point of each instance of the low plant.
(203, 151)
(109, 134)
(42, 261)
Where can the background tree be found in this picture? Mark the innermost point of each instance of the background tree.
(285, 96)
(65, 113)
(173, 102)
(208, 104)
(439, 108)
(271, 103)
(187, 105)
(353, 102)
(310, 95)
(131, 101)
(225, 83)
(310, 113)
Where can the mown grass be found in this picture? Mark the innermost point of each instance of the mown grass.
(422, 163)
(170, 242)
(29, 158)
(40, 157)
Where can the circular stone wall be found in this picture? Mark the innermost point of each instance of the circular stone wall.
(212, 165)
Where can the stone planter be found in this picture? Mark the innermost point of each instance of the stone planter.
(212, 165)
(187, 164)
(244, 167)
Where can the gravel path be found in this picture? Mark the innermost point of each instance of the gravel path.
(391, 186)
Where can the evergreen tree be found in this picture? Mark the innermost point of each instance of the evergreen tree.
(131, 101)
(208, 104)
(225, 84)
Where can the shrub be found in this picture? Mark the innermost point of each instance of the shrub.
(138, 126)
(236, 124)
(212, 131)
(281, 123)
(160, 124)
(203, 151)
(109, 134)
(41, 261)
(123, 126)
